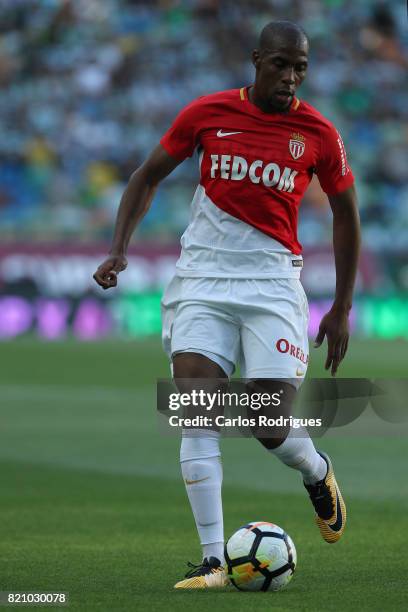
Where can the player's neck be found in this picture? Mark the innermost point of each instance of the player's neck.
(262, 104)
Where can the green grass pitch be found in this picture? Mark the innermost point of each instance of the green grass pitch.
(92, 501)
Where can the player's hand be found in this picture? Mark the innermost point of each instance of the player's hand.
(335, 326)
(107, 273)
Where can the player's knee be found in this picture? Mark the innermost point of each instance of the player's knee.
(272, 443)
(273, 418)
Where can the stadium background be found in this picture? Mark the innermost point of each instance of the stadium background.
(86, 90)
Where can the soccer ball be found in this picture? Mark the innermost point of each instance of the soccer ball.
(260, 557)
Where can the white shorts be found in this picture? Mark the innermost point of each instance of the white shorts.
(259, 324)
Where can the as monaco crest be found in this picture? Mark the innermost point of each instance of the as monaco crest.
(296, 145)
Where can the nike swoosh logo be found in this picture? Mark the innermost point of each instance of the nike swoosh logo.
(220, 133)
(339, 517)
(190, 482)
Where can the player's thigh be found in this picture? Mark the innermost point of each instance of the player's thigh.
(274, 340)
(203, 379)
(206, 330)
(196, 320)
(194, 365)
(202, 340)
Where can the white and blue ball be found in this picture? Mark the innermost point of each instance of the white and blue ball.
(260, 556)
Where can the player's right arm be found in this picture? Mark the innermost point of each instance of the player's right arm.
(178, 142)
(134, 204)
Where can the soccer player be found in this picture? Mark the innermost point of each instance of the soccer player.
(236, 296)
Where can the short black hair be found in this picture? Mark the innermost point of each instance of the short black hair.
(288, 30)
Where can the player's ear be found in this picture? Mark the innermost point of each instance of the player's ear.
(256, 58)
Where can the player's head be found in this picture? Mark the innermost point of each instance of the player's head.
(280, 62)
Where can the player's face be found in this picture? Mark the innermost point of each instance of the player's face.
(279, 72)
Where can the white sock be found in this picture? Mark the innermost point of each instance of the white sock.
(202, 473)
(299, 453)
(216, 549)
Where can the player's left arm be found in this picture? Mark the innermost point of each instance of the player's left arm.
(346, 243)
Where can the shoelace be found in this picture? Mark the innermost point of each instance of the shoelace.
(195, 569)
(319, 493)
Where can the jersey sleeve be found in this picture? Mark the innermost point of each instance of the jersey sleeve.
(182, 137)
(332, 169)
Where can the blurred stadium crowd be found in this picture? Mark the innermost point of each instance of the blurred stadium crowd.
(87, 88)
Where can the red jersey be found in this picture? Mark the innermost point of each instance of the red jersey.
(256, 166)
